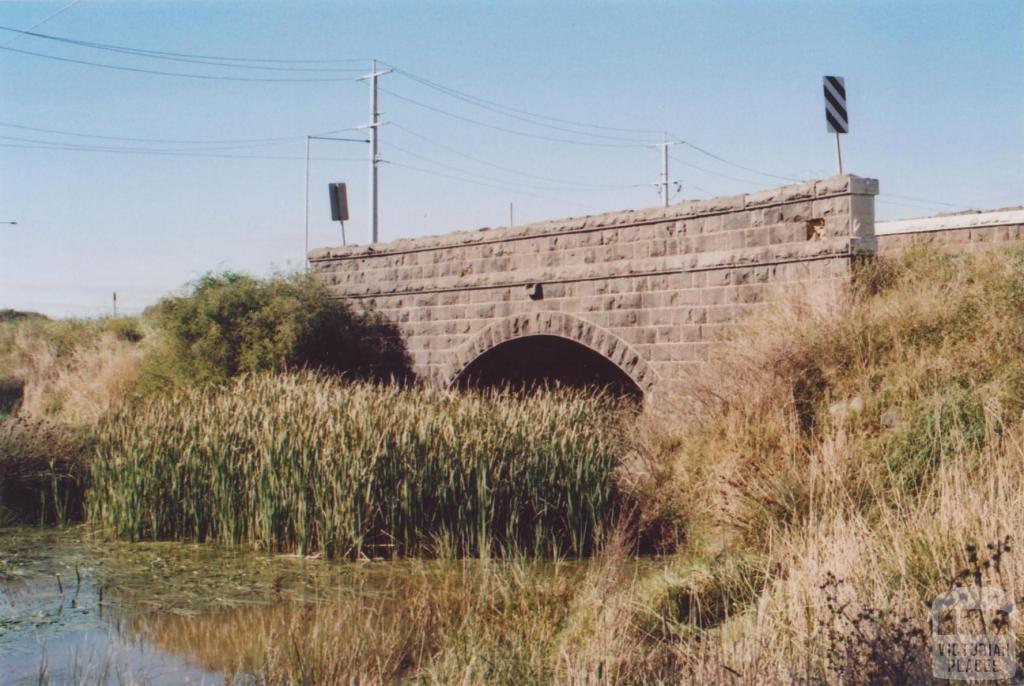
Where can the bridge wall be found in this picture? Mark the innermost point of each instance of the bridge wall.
(650, 290)
(967, 231)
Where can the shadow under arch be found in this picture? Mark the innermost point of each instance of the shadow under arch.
(530, 349)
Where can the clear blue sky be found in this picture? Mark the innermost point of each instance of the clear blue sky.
(936, 99)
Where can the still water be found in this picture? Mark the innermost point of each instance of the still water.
(67, 605)
(79, 609)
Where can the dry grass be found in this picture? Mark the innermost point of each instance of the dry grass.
(71, 371)
(873, 439)
(83, 388)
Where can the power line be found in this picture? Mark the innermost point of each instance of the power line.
(523, 115)
(452, 91)
(491, 178)
(715, 173)
(479, 183)
(738, 166)
(128, 151)
(62, 10)
(926, 201)
(207, 149)
(504, 110)
(590, 186)
(158, 56)
(281, 139)
(882, 196)
(208, 77)
(513, 131)
(174, 54)
(476, 182)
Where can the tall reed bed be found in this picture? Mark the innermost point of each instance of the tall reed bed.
(307, 463)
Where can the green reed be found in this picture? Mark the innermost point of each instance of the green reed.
(307, 463)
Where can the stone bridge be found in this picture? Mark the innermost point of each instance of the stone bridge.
(633, 298)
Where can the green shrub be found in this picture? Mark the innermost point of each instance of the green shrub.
(229, 324)
(306, 462)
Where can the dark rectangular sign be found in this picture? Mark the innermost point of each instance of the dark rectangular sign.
(339, 202)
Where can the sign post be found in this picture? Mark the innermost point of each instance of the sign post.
(836, 116)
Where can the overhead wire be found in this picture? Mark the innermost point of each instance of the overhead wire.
(716, 173)
(53, 15)
(187, 75)
(215, 148)
(492, 179)
(529, 116)
(175, 153)
(137, 52)
(515, 132)
(512, 170)
(735, 164)
(530, 119)
(168, 141)
(475, 182)
(503, 110)
(220, 58)
(481, 101)
(926, 201)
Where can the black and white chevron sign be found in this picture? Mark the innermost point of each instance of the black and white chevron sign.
(835, 105)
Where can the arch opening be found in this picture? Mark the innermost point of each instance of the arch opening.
(531, 362)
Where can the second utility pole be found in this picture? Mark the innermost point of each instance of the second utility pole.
(664, 174)
(374, 155)
(663, 184)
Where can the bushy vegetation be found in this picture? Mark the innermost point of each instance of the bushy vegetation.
(75, 370)
(69, 374)
(229, 324)
(305, 462)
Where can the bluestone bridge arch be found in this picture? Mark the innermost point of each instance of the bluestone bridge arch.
(557, 324)
(650, 290)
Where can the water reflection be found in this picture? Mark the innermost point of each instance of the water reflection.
(74, 609)
(56, 625)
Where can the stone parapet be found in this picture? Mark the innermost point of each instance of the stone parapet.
(651, 290)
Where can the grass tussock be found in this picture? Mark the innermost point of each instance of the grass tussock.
(308, 463)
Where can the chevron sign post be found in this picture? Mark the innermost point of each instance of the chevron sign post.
(836, 117)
